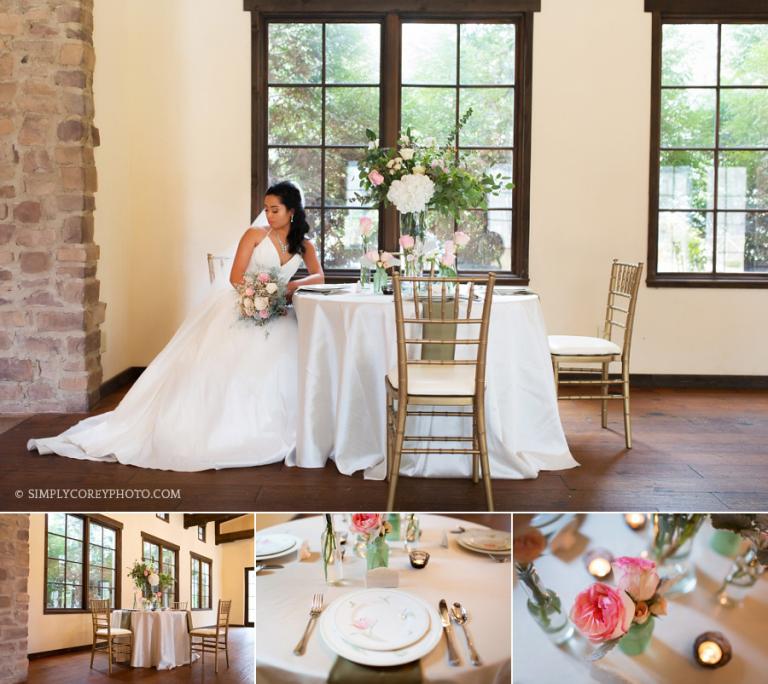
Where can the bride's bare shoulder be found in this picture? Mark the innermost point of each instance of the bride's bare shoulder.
(253, 236)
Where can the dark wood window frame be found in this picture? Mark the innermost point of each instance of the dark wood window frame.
(391, 15)
(165, 517)
(246, 623)
(201, 559)
(168, 546)
(201, 532)
(117, 528)
(690, 11)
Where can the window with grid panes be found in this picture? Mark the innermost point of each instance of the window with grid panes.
(333, 71)
(164, 558)
(709, 220)
(201, 589)
(82, 562)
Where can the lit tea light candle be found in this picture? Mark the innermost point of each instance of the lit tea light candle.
(419, 559)
(636, 521)
(598, 562)
(712, 649)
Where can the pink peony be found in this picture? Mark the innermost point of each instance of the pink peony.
(365, 523)
(263, 277)
(602, 613)
(366, 226)
(407, 241)
(249, 292)
(636, 576)
(375, 177)
(264, 314)
(461, 238)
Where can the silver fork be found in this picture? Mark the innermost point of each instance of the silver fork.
(498, 558)
(314, 612)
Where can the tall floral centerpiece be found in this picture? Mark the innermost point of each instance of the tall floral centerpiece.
(543, 604)
(622, 615)
(420, 175)
(149, 582)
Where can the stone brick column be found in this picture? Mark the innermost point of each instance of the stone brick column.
(49, 295)
(14, 597)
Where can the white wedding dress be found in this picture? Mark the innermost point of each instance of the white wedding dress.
(221, 394)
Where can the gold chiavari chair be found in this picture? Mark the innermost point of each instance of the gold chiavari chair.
(179, 605)
(212, 639)
(435, 378)
(116, 641)
(570, 349)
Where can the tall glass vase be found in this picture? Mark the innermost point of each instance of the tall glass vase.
(544, 605)
(673, 536)
(331, 554)
(744, 572)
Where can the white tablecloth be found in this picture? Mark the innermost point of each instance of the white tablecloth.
(669, 657)
(160, 638)
(347, 343)
(283, 598)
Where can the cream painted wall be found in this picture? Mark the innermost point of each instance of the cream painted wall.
(173, 105)
(49, 632)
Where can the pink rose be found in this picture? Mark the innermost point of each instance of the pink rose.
(449, 247)
(249, 292)
(366, 523)
(263, 277)
(407, 241)
(642, 612)
(602, 613)
(375, 177)
(264, 314)
(372, 255)
(636, 576)
(659, 606)
(449, 259)
(461, 238)
(366, 226)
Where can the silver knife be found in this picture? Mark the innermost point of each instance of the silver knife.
(445, 619)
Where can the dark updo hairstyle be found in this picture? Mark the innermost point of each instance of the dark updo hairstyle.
(290, 196)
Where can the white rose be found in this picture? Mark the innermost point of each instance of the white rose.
(411, 193)
(405, 140)
(261, 303)
(271, 288)
(406, 153)
(373, 144)
(153, 579)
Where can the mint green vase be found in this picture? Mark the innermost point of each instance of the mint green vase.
(377, 553)
(636, 640)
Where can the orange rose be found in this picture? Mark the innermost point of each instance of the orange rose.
(528, 545)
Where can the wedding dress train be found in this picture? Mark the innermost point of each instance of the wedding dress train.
(221, 394)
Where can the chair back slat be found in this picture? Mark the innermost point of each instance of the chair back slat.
(101, 615)
(625, 283)
(223, 614)
(439, 313)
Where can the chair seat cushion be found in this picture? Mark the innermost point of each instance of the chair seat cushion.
(439, 381)
(204, 631)
(573, 345)
(115, 631)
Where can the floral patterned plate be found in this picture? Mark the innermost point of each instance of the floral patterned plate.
(363, 656)
(486, 541)
(381, 619)
(271, 545)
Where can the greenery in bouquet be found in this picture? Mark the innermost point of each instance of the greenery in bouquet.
(261, 297)
(671, 531)
(751, 526)
(419, 174)
(147, 580)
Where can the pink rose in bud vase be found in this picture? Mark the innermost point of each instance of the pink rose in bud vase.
(366, 226)
(601, 613)
(659, 607)
(448, 259)
(642, 612)
(407, 241)
(375, 177)
(450, 247)
(366, 523)
(461, 238)
(636, 576)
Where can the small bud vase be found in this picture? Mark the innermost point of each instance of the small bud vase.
(377, 553)
(636, 640)
(544, 605)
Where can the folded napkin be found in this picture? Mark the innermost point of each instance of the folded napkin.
(346, 672)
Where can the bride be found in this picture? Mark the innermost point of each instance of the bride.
(222, 394)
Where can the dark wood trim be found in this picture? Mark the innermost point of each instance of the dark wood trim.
(122, 379)
(245, 609)
(678, 381)
(117, 527)
(227, 537)
(162, 544)
(204, 529)
(720, 280)
(193, 519)
(325, 6)
(201, 559)
(159, 542)
(391, 103)
(713, 7)
(165, 517)
(59, 651)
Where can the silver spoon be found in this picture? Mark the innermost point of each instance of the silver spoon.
(461, 617)
(259, 568)
(497, 558)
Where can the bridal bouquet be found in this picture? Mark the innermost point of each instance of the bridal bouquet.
(261, 297)
(623, 614)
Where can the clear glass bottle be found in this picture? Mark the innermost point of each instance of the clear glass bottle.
(671, 546)
(544, 605)
(744, 572)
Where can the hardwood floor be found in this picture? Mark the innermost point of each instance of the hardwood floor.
(73, 668)
(694, 450)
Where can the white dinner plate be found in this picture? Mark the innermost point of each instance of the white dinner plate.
(381, 619)
(364, 656)
(324, 287)
(486, 541)
(271, 545)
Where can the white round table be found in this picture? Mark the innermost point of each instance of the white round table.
(669, 657)
(347, 343)
(160, 637)
(283, 599)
